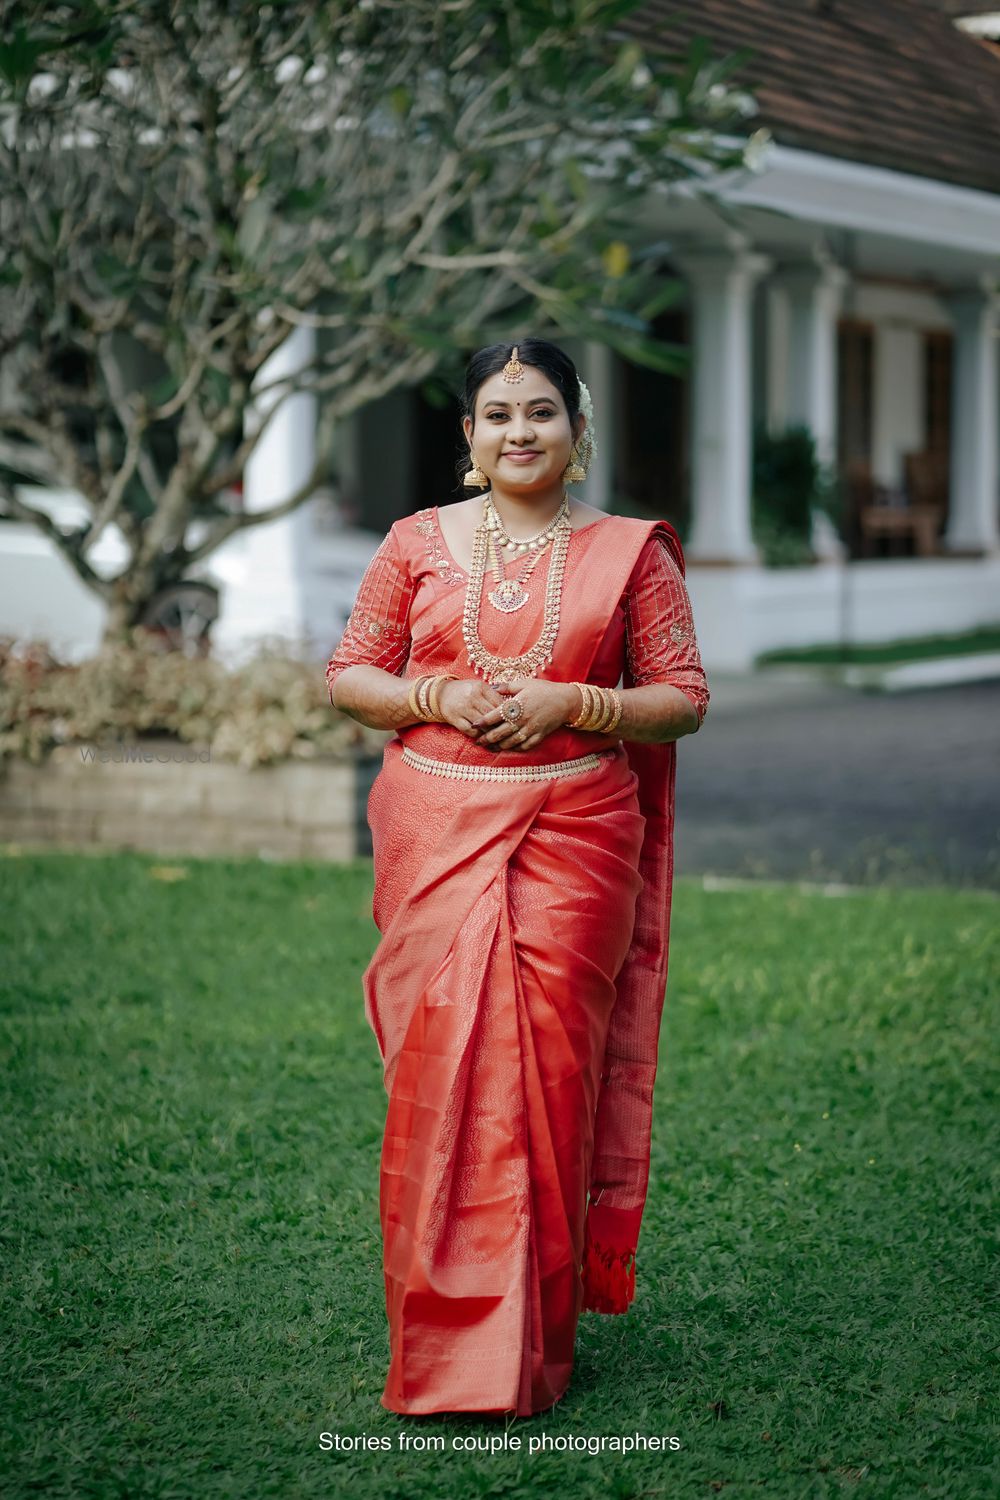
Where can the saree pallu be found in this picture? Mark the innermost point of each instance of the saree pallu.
(515, 996)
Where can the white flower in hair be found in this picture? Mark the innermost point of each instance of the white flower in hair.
(587, 445)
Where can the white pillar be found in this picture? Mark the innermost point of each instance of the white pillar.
(599, 376)
(813, 295)
(261, 567)
(973, 500)
(722, 284)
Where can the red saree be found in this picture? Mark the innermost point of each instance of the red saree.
(517, 989)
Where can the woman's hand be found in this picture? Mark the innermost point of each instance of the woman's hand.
(545, 706)
(463, 700)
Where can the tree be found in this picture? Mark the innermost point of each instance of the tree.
(187, 182)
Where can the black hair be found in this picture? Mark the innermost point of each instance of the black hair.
(554, 363)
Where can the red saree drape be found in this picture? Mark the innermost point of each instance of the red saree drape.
(517, 989)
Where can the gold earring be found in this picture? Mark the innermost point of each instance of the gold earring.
(574, 472)
(475, 478)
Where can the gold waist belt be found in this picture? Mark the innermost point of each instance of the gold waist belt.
(465, 772)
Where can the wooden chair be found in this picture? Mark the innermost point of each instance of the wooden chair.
(915, 513)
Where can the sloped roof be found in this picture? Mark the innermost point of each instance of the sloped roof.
(893, 84)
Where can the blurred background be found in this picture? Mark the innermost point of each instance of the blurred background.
(246, 254)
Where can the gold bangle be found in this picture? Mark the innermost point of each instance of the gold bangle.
(586, 718)
(595, 706)
(601, 708)
(435, 691)
(423, 698)
(619, 708)
(589, 714)
(412, 700)
(607, 711)
(569, 723)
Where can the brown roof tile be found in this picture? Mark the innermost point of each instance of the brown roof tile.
(893, 84)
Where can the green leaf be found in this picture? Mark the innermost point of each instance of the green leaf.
(19, 56)
(669, 294)
(425, 338)
(578, 184)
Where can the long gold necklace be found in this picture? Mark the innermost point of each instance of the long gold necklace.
(505, 668)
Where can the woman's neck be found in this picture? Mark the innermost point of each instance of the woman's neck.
(522, 514)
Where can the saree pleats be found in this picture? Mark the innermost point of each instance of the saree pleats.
(493, 1050)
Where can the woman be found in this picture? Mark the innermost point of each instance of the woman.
(522, 827)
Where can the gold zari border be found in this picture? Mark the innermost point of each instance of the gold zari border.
(461, 771)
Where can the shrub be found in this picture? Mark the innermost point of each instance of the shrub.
(789, 483)
(273, 708)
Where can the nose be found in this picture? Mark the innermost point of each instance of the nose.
(520, 430)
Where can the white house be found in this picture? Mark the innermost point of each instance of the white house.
(850, 283)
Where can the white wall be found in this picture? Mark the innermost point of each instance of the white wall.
(740, 612)
(898, 399)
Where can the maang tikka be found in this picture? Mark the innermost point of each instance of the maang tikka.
(513, 370)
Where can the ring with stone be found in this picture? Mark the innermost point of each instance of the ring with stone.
(512, 710)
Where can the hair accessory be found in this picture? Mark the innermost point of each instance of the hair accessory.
(513, 370)
(583, 451)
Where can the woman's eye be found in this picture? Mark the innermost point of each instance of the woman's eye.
(542, 411)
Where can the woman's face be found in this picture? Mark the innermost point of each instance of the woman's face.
(522, 436)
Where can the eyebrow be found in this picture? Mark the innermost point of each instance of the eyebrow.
(534, 402)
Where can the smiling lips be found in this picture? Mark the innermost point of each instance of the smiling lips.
(522, 457)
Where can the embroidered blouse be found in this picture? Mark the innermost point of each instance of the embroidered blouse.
(653, 615)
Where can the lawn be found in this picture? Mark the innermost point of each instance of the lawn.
(193, 1109)
(888, 653)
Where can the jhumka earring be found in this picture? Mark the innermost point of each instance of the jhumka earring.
(474, 477)
(574, 472)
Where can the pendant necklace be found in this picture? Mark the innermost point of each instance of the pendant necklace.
(510, 593)
(506, 668)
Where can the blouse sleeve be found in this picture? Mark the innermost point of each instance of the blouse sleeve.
(659, 627)
(377, 633)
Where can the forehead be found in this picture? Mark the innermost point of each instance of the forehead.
(533, 387)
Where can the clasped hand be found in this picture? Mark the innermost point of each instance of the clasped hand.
(475, 708)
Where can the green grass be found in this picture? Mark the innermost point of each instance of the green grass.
(919, 648)
(193, 1288)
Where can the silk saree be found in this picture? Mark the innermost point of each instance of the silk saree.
(523, 905)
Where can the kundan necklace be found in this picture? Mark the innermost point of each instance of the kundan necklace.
(505, 596)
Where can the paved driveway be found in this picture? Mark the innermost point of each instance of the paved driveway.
(796, 780)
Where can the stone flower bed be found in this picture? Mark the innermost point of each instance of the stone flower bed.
(139, 749)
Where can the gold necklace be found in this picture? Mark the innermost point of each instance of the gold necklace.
(521, 544)
(506, 668)
(510, 593)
